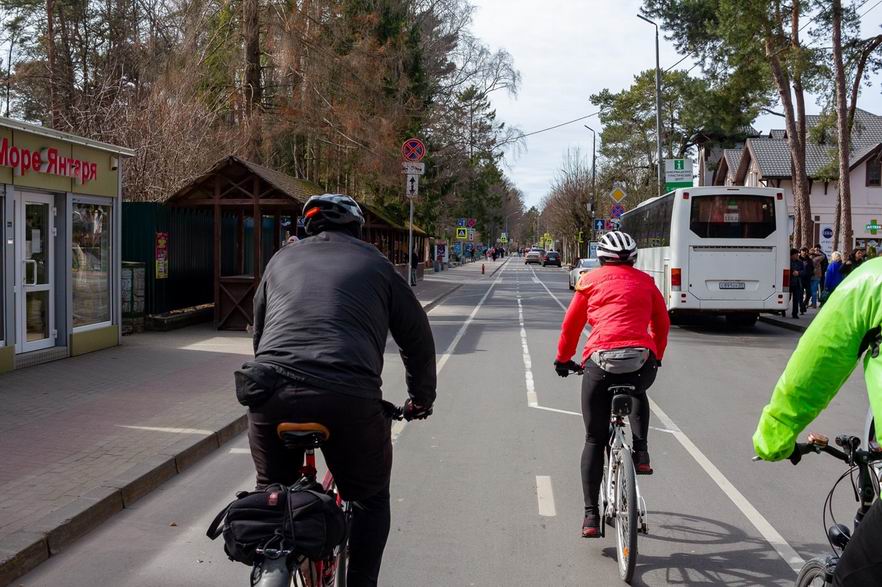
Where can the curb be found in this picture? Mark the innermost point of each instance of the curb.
(782, 324)
(22, 551)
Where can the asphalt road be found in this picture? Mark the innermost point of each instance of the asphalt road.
(471, 499)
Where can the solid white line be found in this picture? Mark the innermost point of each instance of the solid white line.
(240, 451)
(547, 409)
(768, 532)
(545, 496)
(169, 430)
(398, 426)
(772, 536)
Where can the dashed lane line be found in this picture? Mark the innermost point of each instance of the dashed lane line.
(545, 496)
(762, 525)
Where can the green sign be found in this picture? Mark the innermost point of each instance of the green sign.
(873, 227)
(678, 174)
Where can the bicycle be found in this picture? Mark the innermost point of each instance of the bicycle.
(623, 507)
(818, 572)
(275, 567)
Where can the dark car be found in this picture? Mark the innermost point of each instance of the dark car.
(551, 258)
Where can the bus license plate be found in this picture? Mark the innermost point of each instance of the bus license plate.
(731, 285)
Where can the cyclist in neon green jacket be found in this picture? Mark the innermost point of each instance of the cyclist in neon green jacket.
(847, 328)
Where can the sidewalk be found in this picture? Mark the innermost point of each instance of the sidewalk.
(83, 438)
(796, 324)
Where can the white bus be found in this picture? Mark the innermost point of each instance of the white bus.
(719, 250)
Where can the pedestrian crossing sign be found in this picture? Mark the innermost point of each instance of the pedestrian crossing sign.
(462, 233)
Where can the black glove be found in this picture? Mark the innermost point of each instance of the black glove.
(414, 411)
(563, 369)
(796, 455)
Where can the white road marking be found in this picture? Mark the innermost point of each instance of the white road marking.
(169, 430)
(547, 409)
(545, 496)
(532, 400)
(240, 451)
(762, 525)
(398, 426)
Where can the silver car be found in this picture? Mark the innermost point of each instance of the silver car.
(582, 266)
(535, 256)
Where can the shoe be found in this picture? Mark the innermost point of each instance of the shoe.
(641, 458)
(591, 526)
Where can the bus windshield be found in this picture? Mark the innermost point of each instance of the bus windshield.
(732, 216)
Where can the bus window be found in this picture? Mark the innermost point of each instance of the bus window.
(732, 216)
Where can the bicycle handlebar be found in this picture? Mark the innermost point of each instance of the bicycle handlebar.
(392, 411)
(818, 443)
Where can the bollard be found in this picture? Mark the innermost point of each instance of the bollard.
(482, 269)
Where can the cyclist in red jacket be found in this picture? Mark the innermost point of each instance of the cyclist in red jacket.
(629, 332)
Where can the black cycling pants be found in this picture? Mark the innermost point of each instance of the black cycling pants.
(861, 562)
(358, 453)
(596, 406)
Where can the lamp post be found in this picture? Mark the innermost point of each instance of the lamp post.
(657, 106)
(593, 165)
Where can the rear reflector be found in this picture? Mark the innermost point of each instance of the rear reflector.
(780, 196)
(685, 195)
(786, 283)
(676, 279)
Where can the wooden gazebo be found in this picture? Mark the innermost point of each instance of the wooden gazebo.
(255, 210)
(391, 237)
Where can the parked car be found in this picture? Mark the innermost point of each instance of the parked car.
(534, 256)
(551, 258)
(582, 266)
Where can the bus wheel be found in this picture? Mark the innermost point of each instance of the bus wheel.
(742, 320)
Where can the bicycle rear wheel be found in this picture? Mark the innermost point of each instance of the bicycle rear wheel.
(813, 574)
(626, 515)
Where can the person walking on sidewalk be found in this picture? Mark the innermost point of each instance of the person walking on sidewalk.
(834, 275)
(796, 268)
(322, 313)
(414, 265)
(805, 278)
(818, 261)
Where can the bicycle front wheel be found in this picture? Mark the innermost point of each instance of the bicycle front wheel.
(813, 574)
(626, 515)
(342, 566)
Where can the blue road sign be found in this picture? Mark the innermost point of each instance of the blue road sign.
(617, 210)
(598, 224)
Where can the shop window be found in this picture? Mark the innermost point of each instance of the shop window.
(91, 264)
(2, 269)
(874, 172)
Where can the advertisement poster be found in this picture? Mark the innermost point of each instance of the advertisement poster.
(161, 255)
(826, 240)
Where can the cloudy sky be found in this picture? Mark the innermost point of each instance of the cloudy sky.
(567, 50)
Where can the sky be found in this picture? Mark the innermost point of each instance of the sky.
(567, 50)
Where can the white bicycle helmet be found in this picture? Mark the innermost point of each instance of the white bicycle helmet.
(617, 247)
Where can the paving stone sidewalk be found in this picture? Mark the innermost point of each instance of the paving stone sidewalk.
(81, 438)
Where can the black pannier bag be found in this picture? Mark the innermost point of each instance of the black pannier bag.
(303, 519)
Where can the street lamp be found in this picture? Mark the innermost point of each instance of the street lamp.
(657, 105)
(593, 166)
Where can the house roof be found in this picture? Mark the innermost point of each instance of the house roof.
(772, 153)
(64, 136)
(388, 220)
(733, 159)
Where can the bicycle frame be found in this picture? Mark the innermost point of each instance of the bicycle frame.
(617, 442)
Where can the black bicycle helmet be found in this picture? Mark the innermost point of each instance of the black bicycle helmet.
(330, 212)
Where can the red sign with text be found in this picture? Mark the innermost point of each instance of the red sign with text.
(48, 161)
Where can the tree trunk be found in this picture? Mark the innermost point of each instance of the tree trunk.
(50, 52)
(252, 88)
(843, 208)
(806, 222)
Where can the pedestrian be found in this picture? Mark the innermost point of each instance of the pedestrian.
(414, 263)
(857, 257)
(796, 267)
(805, 277)
(834, 275)
(818, 261)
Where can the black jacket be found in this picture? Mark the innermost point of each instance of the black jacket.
(324, 309)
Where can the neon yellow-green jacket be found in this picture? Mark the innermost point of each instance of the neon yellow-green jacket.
(823, 360)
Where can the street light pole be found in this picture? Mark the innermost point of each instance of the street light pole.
(593, 164)
(658, 138)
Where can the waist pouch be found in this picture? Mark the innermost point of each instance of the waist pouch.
(302, 518)
(619, 361)
(256, 383)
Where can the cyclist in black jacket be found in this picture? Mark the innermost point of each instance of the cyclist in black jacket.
(322, 314)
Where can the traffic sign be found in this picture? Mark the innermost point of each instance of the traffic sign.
(413, 149)
(462, 234)
(598, 224)
(617, 210)
(412, 186)
(461, 222)
(617, 194)
(413, 168)
(471, 222)
(615, 223)
(678, 174)
(472, 234)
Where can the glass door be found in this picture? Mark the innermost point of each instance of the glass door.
(36, 273)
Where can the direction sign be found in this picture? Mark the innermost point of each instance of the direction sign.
(413, 167)
(461, 222)
(617, 210)
(413, 149)
(462, 233)
(617, 194)
(412, 186)
(598, 224)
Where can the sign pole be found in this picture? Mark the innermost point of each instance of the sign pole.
(410, 243)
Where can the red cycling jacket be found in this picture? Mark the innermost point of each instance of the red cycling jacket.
(624, 308)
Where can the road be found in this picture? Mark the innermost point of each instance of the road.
(465, 505)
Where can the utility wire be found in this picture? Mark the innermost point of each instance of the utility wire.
(575, 120)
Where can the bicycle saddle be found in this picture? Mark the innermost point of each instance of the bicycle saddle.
(300, 436)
